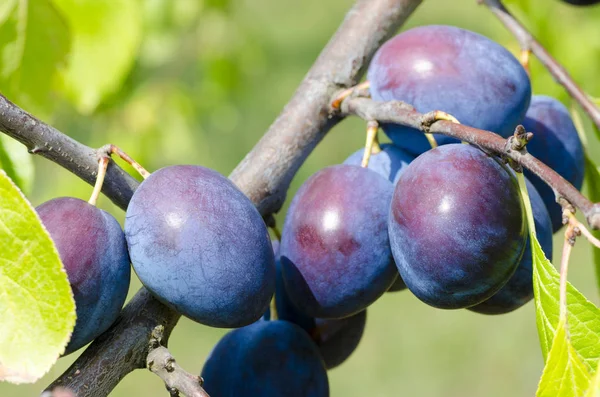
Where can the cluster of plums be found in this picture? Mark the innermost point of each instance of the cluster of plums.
(447, 223)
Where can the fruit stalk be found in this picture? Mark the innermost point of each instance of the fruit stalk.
(529, 43)
(400, 113)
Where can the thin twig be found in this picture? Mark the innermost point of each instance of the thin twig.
(400, 113)
(162, 363)
(528, 42)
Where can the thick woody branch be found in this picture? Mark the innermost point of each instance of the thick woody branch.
(266, 172)
(120, 350)
(528, 42)
(264, 176)
(403, 114)
(162, 363)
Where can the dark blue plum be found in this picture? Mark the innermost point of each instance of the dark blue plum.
(389, 163)
(93, 251)
(335, 250)
(267, 359)
(519, 289)
(200, 246)
(457, 226)
(454, 70)
(336, 338)
(285, 309)
(556, 143)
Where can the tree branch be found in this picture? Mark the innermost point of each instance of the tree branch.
(528, 42)
(120, 350)
(266, 172)
(400, 113)
(162, 363)
(264, 176)
(48, 142)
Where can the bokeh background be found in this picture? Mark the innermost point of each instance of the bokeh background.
(199, 81)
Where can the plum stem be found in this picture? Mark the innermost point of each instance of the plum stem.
(162, 363)
(528, 42)
(113, 149)
(102, 165)
(372, 144)
(398, 112)
(273, 314)
(361, 89)
(524, 58)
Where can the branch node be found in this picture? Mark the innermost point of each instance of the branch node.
(516, 143)
(593, 216)
(359, 90)
(160, 362)
(36, 150)
(520, 138)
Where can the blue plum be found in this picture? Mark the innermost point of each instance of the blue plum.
(335, 251)
(556, 143)
(457, 226)
(267, 359)
(389, 163)
(336, 338)
(454, 70)
(92, 248)
(200, 246)
(519, 289)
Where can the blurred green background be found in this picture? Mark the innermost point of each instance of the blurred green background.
(192, 81)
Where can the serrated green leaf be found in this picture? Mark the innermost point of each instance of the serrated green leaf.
(34, 42)
(36, 303)
(584, 316)
(106, 37)
(592, 182)
(16, 162)
(565, 374)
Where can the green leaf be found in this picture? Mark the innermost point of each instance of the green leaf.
(106, 37)
(34, 42)
(36, 302)
(16, 162)
(565, 374)
(592, 181)
(594, 389)
(584, 316)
